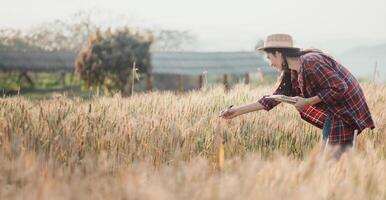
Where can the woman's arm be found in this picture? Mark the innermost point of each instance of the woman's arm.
(313, 100)
(303, 103)
(234, 112)
(249, 108)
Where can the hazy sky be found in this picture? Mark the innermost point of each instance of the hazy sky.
(222, 25)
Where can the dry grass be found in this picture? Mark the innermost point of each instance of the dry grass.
(161, 146)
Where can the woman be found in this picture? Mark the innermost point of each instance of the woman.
(328, 96)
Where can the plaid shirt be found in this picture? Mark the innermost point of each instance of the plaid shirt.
(342, 98)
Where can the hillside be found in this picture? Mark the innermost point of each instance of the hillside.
(361, 60)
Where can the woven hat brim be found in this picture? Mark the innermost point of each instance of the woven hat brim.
(283, 47)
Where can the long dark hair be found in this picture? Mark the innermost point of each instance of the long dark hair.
(285, 86)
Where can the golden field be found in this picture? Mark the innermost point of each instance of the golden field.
(162, 146)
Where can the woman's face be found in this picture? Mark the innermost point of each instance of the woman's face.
(276, 60)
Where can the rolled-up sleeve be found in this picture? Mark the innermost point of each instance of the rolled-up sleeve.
(268, 104)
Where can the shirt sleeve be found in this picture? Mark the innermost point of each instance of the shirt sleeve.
(326, 78)
(268, 104)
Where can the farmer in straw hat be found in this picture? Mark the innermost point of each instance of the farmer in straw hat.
(327, 95)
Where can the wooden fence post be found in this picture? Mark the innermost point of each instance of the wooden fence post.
(200, 81)
(246, 81)
(226, 84)
(149, 85)
(180, 84)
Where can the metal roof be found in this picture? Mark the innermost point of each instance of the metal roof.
(192, 63)
(37, 60)
(184, 63)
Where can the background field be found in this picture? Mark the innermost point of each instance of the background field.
(161, 146)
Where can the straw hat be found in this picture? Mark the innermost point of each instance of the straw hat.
(278, 41)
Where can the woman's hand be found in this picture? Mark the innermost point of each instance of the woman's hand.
(229, 113)
(301, 103)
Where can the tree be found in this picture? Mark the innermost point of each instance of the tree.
(16, 40)
(109, 57)
(172, 40)
(50, 36)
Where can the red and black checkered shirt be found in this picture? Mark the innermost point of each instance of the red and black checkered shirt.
(342, 98)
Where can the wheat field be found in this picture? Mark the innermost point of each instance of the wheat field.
(161, 145)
